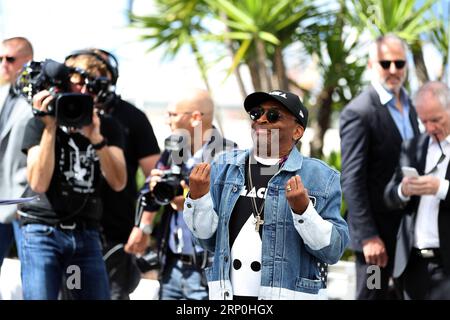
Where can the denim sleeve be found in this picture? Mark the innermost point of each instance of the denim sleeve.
(325, 233)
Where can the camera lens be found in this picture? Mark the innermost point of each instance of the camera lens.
(166, 189)
(164, 192)
(72, 111)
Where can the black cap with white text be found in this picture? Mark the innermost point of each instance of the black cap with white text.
(289, 100)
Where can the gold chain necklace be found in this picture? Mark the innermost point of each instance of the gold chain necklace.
(258, 220)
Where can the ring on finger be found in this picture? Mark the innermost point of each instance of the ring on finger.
(288, 188)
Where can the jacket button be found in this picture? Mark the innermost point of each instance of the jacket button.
(225, 259)
(301, 221)
(235, 189)
(189, 205)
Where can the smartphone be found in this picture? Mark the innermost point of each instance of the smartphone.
(410, 172)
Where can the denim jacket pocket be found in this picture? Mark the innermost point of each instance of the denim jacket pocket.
(308, 285)
(318, 200)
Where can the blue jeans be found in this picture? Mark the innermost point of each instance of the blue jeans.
(52, 257)
(8, 232)
(182, 282)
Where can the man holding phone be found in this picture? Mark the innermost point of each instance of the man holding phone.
(422, 259)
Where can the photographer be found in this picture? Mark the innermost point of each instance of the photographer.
(182, 262)
(66, 167)
(141, 150)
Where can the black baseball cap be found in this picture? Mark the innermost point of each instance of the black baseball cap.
(289, 100)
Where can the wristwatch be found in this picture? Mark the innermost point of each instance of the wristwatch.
(146, 228)
(101, 144)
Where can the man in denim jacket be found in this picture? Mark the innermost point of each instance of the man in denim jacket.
(270, 215)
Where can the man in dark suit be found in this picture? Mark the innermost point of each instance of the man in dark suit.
(372, 128)
(422, 259)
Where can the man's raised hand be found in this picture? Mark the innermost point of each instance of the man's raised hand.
(199, 180)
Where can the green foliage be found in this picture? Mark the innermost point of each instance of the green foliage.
(402, 17)
(140, 179)
(440, 36)
(334, 161)
(253, 31)
(175, 24)
(246, 27)
(337, 48)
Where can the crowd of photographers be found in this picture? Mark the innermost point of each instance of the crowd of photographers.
(261, 223)
(84, 228)
(72, 154)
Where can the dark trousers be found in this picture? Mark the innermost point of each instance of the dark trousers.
(425, 279)
(363, 291)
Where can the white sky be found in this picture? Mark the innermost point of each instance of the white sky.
(56, 28)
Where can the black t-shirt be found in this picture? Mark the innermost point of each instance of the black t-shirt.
(74, 191)
(245, 242)
(140, 142)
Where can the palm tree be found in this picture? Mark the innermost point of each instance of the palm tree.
(259, 30)
(340, 67)
(402, 17)
(440, 36)
(176, 23)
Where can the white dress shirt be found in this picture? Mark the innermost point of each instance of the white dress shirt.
(426, 227)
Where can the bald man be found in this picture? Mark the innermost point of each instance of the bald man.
(14, 114)
(189, 116)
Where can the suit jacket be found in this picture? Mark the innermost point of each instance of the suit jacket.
(12, 160)
(370, 146)
(413, 154)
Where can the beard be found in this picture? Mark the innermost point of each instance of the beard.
(266, 142)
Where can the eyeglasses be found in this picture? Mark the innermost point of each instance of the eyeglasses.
(441, 158)
(8, 59)
(175, 114)
(272, 114)
(386, 64)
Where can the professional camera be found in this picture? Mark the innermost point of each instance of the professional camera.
(149, 261)
(169, 186)
(70, 109)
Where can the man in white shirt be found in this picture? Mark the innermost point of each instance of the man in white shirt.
(422, 260)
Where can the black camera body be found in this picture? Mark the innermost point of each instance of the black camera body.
(168, 187)
(170, 184)
(70, 109)
(149, 261)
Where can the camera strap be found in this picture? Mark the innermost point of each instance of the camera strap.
(39, 113)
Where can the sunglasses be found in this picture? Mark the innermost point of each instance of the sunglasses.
(441, 158)
(8, 59)
(272, 114)
(386, 64)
